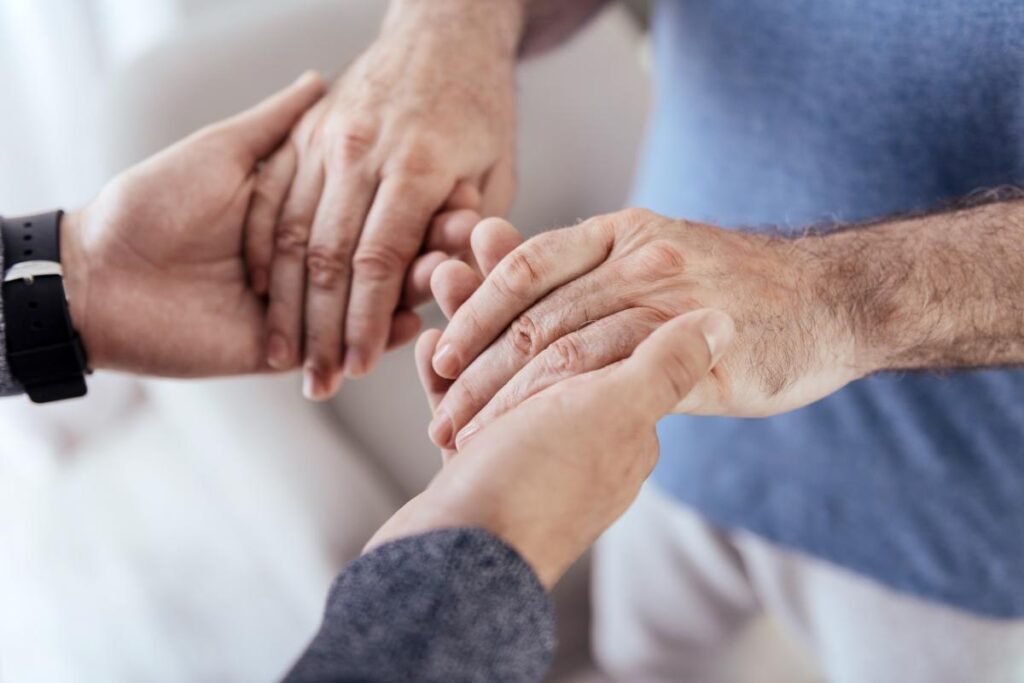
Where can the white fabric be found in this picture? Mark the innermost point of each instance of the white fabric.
(674, 596)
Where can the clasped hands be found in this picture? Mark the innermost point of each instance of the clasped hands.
(564, 350)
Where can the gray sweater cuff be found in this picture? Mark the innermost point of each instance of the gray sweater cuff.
(450, 605)
(8, 385)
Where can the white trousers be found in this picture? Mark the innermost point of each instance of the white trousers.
(674, 598)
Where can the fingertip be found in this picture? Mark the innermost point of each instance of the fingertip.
(493, 239)
(311, 79)
(279, 356)
(446, 361)
(452, 283)
(404, 328)
(719, 330)
(319, 385)
(357, 363)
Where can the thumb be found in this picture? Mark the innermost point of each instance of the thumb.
(669, 363)
(260, 130)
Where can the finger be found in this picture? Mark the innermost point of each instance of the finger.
(288, 268)
(520, 279)
(669, 363)
(394, 232)
(500, 187)
(434, 386)
(417, 282)
(466, 195)
(404, 328)
(272, 184)
(450, 231)
(591, 348)
(263, 128)
(492, 240)
(453, 283)
(335, 232)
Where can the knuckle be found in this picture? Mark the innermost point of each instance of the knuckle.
(291, 237)
(327, 264)
(353, 141)
(416, 158)
(567, 356)
(636, 217)
(524, 336)
(378, 262)
(659, 259)
(520, 275)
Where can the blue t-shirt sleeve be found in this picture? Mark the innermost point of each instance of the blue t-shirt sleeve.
(450, 605)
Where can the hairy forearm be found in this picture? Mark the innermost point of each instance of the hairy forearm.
(514, 27)
(940, 291)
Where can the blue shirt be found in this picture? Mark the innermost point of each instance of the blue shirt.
(797, 112)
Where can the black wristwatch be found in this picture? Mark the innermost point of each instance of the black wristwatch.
(44, 351)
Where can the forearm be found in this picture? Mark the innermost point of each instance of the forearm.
(450, 605)
(941, 291)
(514, 27)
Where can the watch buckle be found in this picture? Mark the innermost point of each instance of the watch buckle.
(30, 270)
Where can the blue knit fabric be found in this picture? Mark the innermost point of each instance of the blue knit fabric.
(797, 112)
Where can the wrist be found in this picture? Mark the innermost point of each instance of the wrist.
(75, 265)
(496, 26)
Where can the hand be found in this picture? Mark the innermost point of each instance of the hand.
(153, 267)
(422, 122)
(576, 299)
(555, 471)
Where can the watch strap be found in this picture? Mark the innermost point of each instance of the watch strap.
(44, 351)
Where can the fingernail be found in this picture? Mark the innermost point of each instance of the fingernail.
(441, 430)
(277, 352)
(467, 433)
(718, 330)
(446, 362)
(310, 383)
(355, 364)
(317, 385)
(259, 280)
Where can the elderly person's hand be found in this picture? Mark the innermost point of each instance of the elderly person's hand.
(554, 472)
(423, 122)
(576, 299)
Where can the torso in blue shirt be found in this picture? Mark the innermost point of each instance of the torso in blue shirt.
(790, 113)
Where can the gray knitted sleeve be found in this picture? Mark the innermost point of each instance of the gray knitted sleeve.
(8, 386)
(447, 606)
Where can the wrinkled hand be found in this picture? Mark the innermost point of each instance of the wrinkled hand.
(423, 122)
(554, 472)
(579, 298)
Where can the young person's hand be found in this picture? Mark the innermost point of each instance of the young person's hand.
(153, 267)
(553, 473)
(422, 122)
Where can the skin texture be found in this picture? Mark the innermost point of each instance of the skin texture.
(812, 313)
(154, 266)
(422, 122)
(553, 473)
(574, 300)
